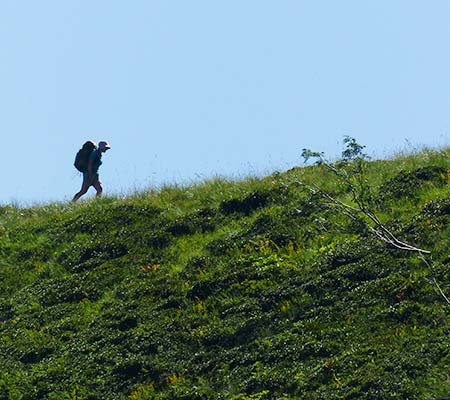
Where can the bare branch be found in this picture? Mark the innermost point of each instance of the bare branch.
(363, 211)
(430, 266)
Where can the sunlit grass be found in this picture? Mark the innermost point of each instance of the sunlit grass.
(228, 288)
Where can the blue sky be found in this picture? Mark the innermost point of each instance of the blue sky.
(188, 90)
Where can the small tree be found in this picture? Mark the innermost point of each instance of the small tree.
(351, 171)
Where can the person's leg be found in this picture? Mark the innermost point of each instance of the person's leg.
(84, 188)
(98, 186)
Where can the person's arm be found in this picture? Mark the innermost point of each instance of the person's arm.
(90, 165)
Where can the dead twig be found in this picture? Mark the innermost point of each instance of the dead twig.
(379, 230)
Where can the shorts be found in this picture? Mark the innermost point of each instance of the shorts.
(90, 180)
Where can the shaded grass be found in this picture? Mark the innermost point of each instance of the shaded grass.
(251, 289)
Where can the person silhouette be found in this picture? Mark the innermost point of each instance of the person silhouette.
(91, 177)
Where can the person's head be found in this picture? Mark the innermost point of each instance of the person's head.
(103, 146)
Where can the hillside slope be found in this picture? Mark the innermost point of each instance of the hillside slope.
(230, 290)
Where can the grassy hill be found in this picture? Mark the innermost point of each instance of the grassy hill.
(230, 290)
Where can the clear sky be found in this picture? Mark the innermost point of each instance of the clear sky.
(188, 90)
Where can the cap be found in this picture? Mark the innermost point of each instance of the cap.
(103, 145)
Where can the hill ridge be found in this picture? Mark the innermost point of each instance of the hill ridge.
(254, 289)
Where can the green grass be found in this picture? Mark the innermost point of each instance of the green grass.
(251, 289)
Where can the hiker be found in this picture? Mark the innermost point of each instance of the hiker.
(90, 172)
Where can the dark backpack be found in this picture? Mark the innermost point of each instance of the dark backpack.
(82, 157)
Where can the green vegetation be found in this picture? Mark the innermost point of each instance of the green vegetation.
(258, 289)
